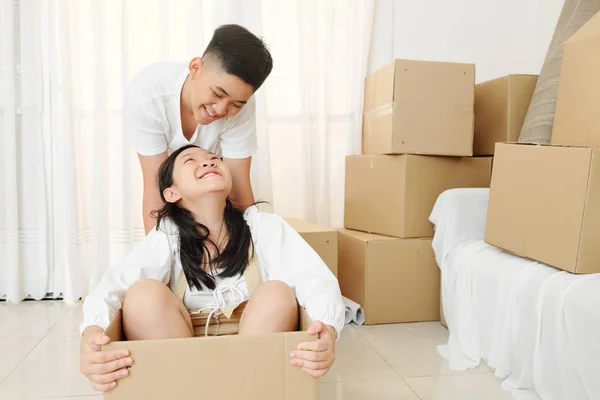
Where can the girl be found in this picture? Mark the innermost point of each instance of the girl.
(209, 254)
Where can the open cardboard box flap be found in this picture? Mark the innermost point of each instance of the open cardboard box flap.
(253, 367)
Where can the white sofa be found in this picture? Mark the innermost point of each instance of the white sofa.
(536, 326)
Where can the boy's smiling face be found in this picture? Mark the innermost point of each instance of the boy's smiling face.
(214, 94)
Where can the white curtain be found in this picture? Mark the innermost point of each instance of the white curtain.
(71, 187)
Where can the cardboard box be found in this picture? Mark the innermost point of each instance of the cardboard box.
(500, 108)
(395, 280)
(322, 239)
(253, 367)
(419, 107)
(545, 205)
(577, 120)
(394, 195)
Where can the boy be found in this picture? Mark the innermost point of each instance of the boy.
(208, 102)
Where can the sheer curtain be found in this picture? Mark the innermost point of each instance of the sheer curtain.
(71, 184)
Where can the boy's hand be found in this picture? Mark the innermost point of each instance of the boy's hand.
(316, 357)
(103, 369)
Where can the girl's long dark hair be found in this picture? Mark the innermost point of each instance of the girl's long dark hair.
(193, 236)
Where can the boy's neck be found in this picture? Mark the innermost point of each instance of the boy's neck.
(186, 108)
(186, 114)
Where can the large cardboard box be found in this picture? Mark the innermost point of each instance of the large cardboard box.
(577, 120)
(545, 205)
(394, 194)
(322, 239)
(500, 108)
(253, 367)
(395, 280)
(419, 107)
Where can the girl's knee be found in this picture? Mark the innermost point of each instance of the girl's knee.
(146, 295)
(151, 311)
(278, 305)
(272, 308)
(281, 294)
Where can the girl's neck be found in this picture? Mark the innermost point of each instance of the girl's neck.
(210, 212)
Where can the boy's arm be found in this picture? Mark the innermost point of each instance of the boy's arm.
(241, 191)
(152, 199)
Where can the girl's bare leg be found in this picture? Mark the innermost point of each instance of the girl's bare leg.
(272, 308)
(152, 311)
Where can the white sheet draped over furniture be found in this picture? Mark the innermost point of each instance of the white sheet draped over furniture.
(537, 326)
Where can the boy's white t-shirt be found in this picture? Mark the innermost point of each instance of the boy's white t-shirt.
(152, 118)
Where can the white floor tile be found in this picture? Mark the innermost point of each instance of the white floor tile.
(68, 325)
(411, 349)
(50, 370)
(389, 389)
(357, 360)
(463, 387)
(12, 352)
(29, 318)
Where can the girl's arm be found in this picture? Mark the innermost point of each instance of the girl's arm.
(287, 257)
(150, 259)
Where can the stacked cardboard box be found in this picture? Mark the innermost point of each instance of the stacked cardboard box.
(323, 240)
(500, 108)
(545, 200)
(417, 143)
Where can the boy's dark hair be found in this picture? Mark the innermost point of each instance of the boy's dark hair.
(241, 53)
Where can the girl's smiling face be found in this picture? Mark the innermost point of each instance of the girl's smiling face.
(197, 172)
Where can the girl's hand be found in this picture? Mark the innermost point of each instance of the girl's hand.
(103, 369)
(316, 357)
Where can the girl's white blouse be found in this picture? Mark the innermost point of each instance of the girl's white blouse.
(283, 255)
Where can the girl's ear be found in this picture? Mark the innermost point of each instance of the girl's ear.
(171, 195)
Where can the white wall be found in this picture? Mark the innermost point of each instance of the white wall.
(499, 36)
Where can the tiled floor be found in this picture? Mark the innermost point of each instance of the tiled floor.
(39, 359)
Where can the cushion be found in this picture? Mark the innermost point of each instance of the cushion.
(537, 127)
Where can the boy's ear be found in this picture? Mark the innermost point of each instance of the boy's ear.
(171, 195)
(195, 65)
